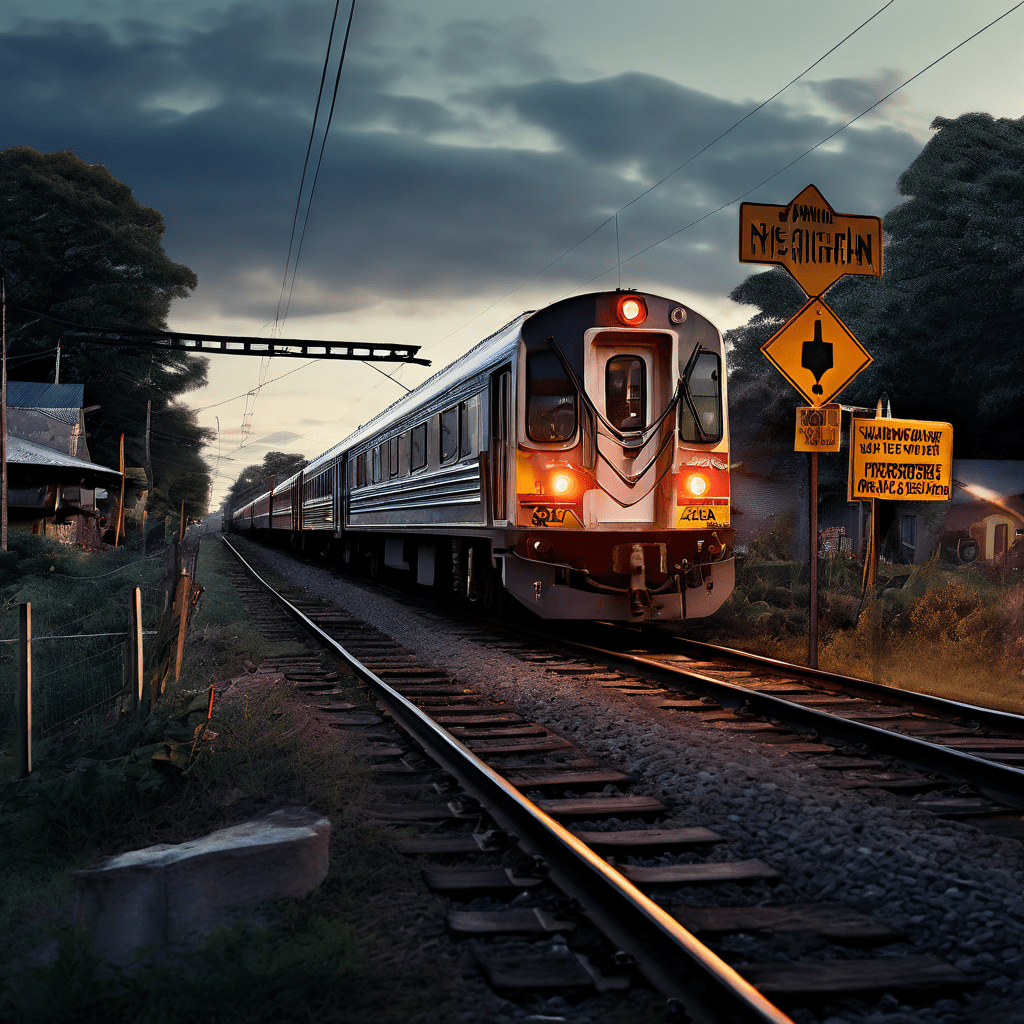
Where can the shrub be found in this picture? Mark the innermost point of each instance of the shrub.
(776, 543)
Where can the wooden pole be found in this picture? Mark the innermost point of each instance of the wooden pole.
(184, 594)
(812, 631)
(135, 632)
(120, 505)
(25, 688)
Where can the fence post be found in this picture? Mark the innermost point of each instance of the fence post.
(135, 645)
(183, 600)
(25, 688)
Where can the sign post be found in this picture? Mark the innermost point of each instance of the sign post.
(814, 350)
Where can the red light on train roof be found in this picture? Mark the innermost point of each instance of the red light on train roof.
(632, 310)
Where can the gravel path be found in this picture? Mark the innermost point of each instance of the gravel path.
(955, 891)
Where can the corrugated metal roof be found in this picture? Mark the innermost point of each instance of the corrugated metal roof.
(29, 453)
(29, 395)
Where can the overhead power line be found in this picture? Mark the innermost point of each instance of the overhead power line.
(797, 159)
(688, 160)
(320, 158)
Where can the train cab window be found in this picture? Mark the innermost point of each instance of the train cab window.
(449, 433)
(550, 399)
(393, 457)
(418, 447)
(705, 387)
(625, 391)
(469, 426)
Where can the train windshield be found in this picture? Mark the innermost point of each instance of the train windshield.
(625, 390)
(550, 399)
(705, 400)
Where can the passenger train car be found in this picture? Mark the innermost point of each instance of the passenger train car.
(576, 460)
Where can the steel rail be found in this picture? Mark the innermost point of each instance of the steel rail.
(674, 962)
(987, 717)
(1001, 781)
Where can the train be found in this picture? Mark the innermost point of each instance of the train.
(576, 461)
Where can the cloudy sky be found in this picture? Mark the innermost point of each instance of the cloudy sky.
(476, 150)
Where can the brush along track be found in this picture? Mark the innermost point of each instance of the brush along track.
(513, 746)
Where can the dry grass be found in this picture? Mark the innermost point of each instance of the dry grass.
(950, 631)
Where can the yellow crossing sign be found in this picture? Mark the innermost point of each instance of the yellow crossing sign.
(816, 352)
(814, 243)
(901, 459)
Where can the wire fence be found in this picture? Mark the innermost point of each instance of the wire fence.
(80, 649)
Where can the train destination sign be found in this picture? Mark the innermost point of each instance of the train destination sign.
(816, 352)
(818, 430)
(814, 243)
(894, 459)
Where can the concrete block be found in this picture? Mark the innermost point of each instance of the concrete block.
(176, 894)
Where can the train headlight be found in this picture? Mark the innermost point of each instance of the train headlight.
(632, 310)
(697, 484)
(561, 483)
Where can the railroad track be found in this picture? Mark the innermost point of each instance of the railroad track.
(876, 735)
(495, 757)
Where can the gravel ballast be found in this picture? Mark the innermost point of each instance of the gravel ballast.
(953, 890)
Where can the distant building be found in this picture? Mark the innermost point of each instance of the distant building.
(984, 521)
(52, 481)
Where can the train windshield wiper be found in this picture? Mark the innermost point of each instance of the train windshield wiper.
(703, 437)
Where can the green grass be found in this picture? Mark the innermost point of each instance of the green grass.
(72, 593)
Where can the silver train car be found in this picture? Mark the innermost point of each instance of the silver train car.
(575, 461)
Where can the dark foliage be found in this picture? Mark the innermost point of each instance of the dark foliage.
(944, 323)
(91, 254)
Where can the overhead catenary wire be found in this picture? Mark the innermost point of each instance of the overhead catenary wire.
(806, 152)
(279, 318)
(718, 138)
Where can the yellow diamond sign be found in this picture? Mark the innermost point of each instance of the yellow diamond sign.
(816, 352)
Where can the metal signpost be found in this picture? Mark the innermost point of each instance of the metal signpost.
(814, 350)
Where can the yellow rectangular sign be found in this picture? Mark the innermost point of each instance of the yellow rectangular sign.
(817, 430)
(901, 460)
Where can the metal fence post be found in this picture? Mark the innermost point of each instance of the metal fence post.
(25, 688)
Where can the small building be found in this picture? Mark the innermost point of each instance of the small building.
(52, 481)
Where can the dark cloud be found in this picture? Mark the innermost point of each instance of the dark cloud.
(850, 96)
(280, 437)
(472, 47)
(210, 124)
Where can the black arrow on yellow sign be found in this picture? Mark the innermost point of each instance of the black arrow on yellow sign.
(817, 357)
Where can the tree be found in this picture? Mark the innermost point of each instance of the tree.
(254, 480)
(91, 254)
(945, 323)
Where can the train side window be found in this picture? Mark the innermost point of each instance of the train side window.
(376, 465)
(705, 384)
(393, 457)
(418, 447)
(469, 433)
(550, 399)
(449, 433)
(403, 452)
(625, 391)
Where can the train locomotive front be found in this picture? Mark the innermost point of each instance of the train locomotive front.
(576, 460)
(621, 473)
